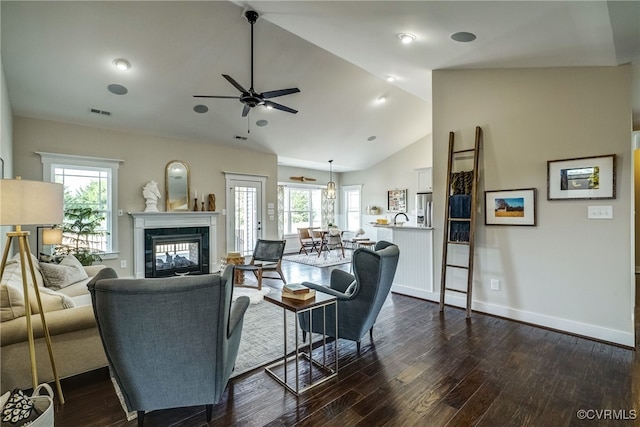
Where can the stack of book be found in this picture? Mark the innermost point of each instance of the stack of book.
(297, 291)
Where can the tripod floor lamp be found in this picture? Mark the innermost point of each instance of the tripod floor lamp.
(25, 202)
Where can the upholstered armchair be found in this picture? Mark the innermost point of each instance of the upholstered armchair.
(170, 342)
(360, 296)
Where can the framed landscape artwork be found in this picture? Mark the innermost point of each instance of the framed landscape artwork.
(397, 200)
(582, 178)
(510, 207)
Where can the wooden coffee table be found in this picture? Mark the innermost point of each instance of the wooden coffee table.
(324, 371)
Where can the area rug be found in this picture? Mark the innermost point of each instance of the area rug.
(262, 338)
(313, 259)
(255, 295)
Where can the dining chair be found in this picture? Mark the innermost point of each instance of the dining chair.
(306, 241)
(267, 256)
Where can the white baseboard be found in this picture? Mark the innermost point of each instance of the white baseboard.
(564, 325)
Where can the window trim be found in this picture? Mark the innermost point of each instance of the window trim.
(303, 187)
(51, 160)
(345, 189)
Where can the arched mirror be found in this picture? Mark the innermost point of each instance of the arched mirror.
(176, 184)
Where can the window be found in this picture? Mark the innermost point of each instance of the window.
(88, 182)
(302, 206)
(351, 197)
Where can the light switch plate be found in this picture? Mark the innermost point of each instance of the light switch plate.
(600, 212)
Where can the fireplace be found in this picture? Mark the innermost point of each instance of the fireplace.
(189, 235)
(176, 251)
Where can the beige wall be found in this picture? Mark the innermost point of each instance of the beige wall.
(145, 158)
(636, 184)
(395, 172)
(568, 272)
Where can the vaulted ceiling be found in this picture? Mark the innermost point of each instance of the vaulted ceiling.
(58, 62)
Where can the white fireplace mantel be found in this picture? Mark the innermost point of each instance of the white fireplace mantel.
(146, 220)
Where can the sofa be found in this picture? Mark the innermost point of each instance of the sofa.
(76, 343)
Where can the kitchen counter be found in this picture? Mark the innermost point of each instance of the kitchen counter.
(411, 227)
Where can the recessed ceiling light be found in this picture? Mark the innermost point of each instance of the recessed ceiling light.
(391, 79)
(463, 37)
(200, 108)
(406, 38)
(117, 89)
(381, 100)
(122, 64)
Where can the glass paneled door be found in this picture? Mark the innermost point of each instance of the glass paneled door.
(245, 213)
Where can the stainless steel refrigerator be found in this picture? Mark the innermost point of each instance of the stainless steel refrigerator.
(424, 209)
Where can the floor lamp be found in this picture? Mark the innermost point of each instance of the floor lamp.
(25, 202)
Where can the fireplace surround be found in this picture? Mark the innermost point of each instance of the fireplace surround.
(189, 235)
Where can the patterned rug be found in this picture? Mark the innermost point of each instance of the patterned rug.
(332, 258)
(262, 340)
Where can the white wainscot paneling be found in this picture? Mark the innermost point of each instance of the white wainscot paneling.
(414, 276)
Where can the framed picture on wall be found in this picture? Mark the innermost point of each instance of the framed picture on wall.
(510, 207)
(397, 200)
(582, 178)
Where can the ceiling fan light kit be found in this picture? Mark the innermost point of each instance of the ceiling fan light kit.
(250, 98)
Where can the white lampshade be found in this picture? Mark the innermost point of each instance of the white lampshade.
(24, 202)
(52, 236)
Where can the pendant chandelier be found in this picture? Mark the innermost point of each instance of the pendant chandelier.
(331, 186)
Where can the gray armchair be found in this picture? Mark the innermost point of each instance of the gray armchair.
(170, 342)
(360, 296)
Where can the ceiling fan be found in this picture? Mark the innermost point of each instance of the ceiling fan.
(301, 178)
(250, 98)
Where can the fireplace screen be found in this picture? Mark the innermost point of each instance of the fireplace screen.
(176, 256)
(171, 252)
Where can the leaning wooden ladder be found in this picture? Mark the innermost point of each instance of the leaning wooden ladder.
(452, 221)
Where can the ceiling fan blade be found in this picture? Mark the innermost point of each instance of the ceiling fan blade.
(215, 96)
(281, 92)
(280, 107)
(235, 83)
(245, 110)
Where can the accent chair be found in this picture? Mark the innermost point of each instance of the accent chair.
(170, 342)
(267, 256)
(360, 296)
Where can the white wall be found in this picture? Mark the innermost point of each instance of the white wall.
(568, 272)
(145, 158)
(395, 172)
(6, 139)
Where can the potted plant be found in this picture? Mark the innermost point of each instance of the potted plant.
(79, 225)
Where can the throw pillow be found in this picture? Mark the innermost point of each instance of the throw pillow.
(11, 303)
(68, 272)
(51, 300)
(11, 289)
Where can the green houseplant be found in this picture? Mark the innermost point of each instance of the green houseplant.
(81, 223)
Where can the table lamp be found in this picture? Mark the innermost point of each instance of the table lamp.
(24, 202)
(50, 236)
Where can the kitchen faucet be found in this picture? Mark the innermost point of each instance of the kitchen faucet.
(400, 213)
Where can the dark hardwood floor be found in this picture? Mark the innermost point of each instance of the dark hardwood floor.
(424, 368)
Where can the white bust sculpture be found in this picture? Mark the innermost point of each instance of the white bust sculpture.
(151, 195)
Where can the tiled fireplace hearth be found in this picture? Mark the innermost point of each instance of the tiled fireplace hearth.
(194, 230)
